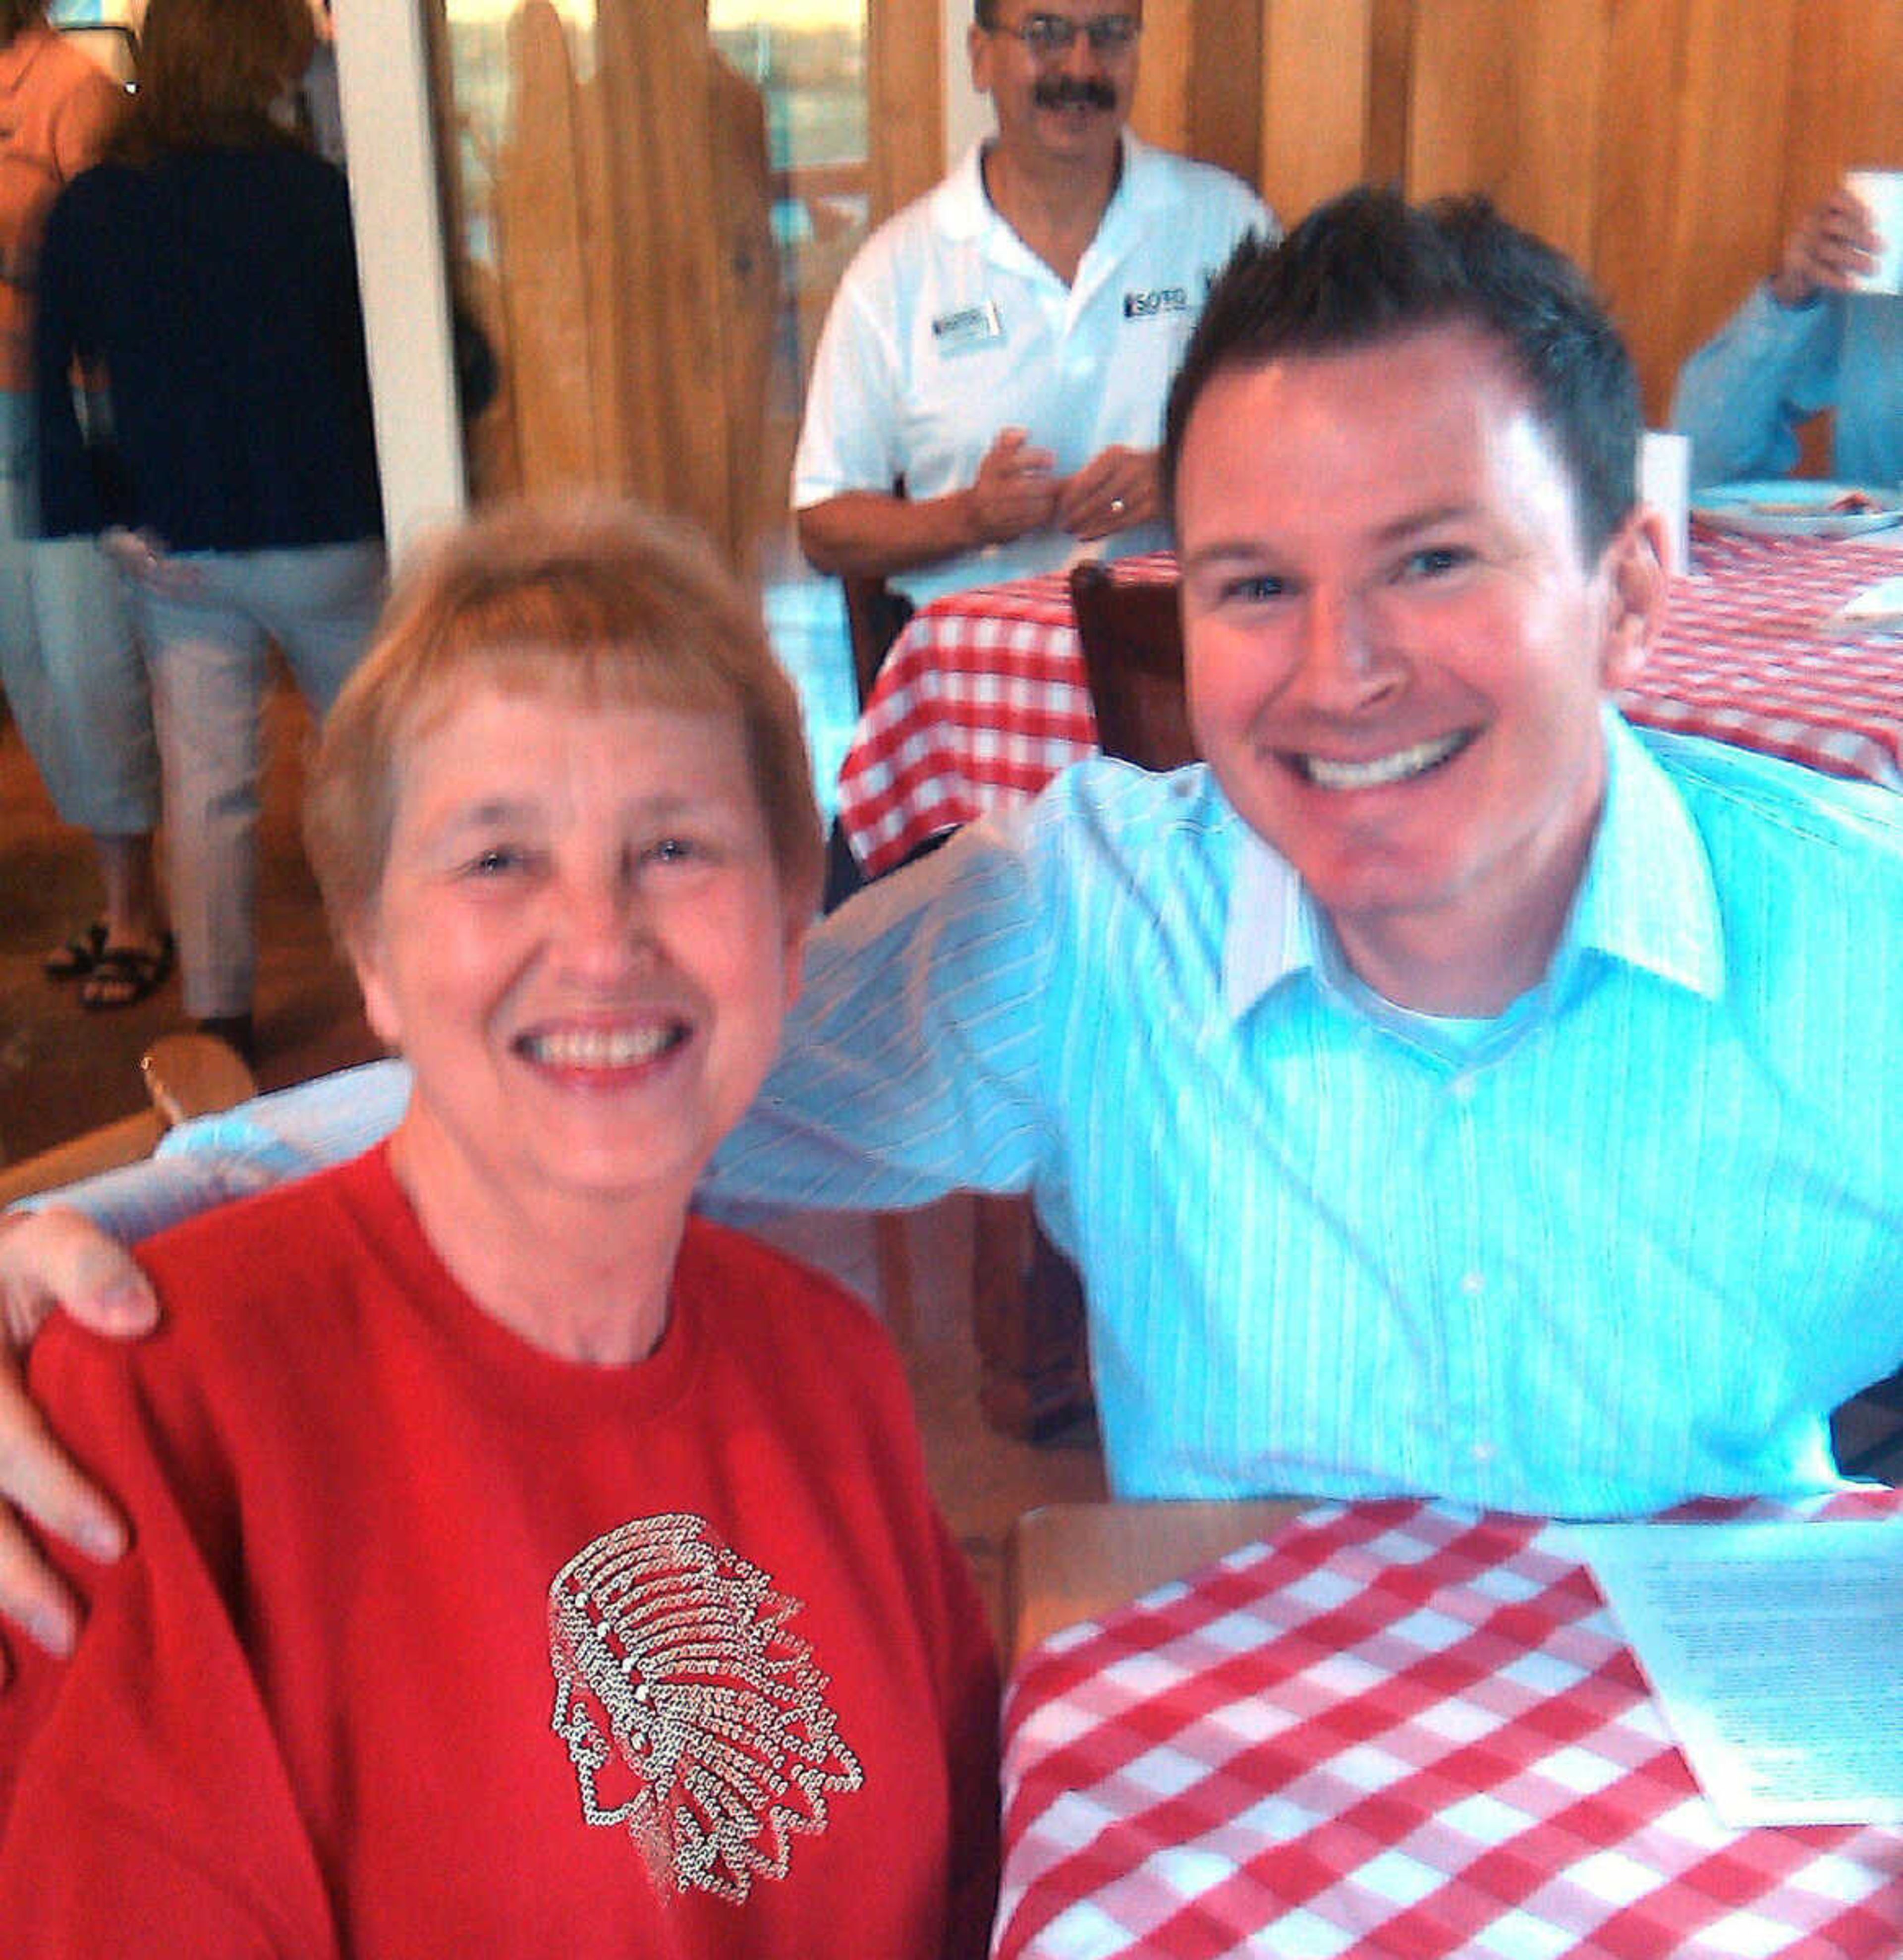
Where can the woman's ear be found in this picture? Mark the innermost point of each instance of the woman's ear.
(1636, 581)
(364, 943)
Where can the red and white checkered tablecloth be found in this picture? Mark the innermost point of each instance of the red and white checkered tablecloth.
(983, 698)
(1395, 1732)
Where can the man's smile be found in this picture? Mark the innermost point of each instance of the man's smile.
(1378, 771)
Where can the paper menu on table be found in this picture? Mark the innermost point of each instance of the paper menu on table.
(1775, 1652)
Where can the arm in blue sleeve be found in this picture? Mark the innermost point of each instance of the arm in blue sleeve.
(213, 1159)
(910, 1066)
(1743, 396)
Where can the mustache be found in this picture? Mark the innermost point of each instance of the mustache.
(1064, 91)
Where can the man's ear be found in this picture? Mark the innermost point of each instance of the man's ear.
(977, 43)
(1637, 583)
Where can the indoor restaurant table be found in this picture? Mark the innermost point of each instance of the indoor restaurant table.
(982, 698)
(1392, 1731)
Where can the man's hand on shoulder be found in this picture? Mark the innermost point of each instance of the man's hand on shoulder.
(1833, 243)
(53, 1259)
(1115, 490)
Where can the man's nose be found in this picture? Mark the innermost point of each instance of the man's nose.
(1343, 665)
(1081, 57)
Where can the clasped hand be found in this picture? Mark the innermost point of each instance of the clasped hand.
(1017, 490)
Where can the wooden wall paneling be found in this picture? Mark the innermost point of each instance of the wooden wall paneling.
(1225, 116)
(1317, 63)
(1160, 113)
(905, 102)
(540, 228)
(1846, 104)
(749, 275)
(601, 295)
(676, 340)
(1390, 64)
(1725, 205)
(1636, 174)
(1507, 98)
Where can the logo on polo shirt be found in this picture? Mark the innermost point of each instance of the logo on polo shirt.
(1159, 299)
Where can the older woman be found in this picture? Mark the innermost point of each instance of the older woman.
(519, 1565)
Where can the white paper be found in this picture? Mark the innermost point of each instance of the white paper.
(1775, 1651)
(1880, 605)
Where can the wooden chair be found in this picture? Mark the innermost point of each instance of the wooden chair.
(1027, 1304)
(186, 1075)
(1028, 1298)
(876, 616)
(1131, 632)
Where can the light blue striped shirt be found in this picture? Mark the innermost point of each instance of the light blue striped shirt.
(1632, 1243)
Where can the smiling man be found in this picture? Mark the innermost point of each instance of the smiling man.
(1002, 346)
(1445, 1088)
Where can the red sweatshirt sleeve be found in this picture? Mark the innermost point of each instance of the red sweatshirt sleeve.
(151, 1810)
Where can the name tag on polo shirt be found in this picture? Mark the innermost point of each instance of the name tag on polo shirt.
(969, 327)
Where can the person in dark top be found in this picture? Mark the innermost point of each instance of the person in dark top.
(206, 264)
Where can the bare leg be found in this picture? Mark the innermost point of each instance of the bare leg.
(134, 916)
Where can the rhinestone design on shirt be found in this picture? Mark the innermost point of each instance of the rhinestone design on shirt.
(673, 1664)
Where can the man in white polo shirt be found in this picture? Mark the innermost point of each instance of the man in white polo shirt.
(1002, 346)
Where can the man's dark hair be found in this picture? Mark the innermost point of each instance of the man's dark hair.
(1368, 267)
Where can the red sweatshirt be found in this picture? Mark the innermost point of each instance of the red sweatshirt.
(431, 1643)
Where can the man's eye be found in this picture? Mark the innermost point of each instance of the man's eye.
(1252, 590)
(1435, 560)
(672, 850)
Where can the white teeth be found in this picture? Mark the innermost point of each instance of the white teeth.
(600, 1048)
(1383, 769)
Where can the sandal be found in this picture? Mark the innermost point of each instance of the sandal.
(124, 975)
(78, 956)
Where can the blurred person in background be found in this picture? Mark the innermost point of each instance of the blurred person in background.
(68, 660)
(1003, 345)
(1803, 342)
(207, 263)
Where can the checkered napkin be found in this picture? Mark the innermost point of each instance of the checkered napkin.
(1396, 1732)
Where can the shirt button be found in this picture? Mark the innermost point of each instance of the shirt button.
(1461, 1088)
(1483, 1452)
(1472, 1284)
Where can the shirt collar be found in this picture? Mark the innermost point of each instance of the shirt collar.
(1647, 899)
(965, 212)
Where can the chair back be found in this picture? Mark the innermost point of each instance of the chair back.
(876, 616)
(1131, 630)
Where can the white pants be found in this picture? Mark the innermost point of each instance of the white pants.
(69, 657)
(208, 650)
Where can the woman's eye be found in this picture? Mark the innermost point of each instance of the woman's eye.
(672, 850)
(495, 860)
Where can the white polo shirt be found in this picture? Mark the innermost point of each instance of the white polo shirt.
(947, 327)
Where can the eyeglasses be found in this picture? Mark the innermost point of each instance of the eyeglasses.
(1048, 36)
